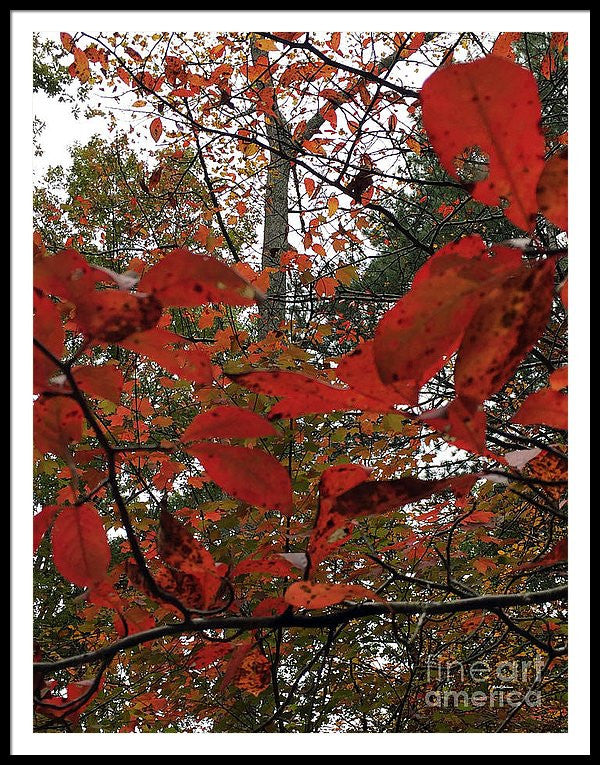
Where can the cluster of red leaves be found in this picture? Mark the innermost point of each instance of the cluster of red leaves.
(487, 307)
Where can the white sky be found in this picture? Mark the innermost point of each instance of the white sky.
(62, 130)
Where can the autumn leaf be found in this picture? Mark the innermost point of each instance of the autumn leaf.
(79, 545)
(57, 422)
(112, 315)
(416, 337)
(302, 395)
(326, 286)
(178, 548)
(308, 595)
(552, 190)
(492, 104)
(191, 362)
(103, 382)
(506, 326)
(185, 278)
(325, 536)
(546, 407)
(48, 330)
(252, 475)
(227, 422)
(42, 522)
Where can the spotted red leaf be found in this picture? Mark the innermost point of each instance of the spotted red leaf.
(57, 422)
(252, 475)
(492, 104)
(416, 337)
(377, 497)
(112, 315)
(504, 329)
(184, 278)
(308, 595)
(178, 548)
(80, 546)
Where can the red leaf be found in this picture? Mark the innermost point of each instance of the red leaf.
(505, 328)
(184, 278)
(251, 475)
(104, 382)
(463, 423)
(418, 335)
(553, 192)
(42, 522)
(377, 497)
(274, 565)
(67, 275)
(546, 407)
(156, 129)
(358, 370)
(493, 104)
(112, 315)
(559, 379)
(307, 595)
(228, 422)
(49, 331)
(557, 554)
(79, 545)
(190, 363)
(334, 481)
(57, 421)
(304, 395)
(209, 654)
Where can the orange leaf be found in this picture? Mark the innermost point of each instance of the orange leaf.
(156, 129)
(307, 595)
(326, 286)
